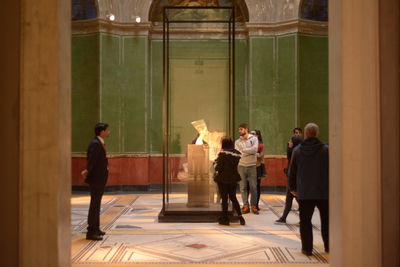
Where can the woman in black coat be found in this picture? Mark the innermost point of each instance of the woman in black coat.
(296, 140)
(227, 177)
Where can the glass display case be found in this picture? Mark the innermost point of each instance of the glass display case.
(198, 99)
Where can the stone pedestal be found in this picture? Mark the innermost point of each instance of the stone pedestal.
(198, 162)
(198, 193)
(198, 169)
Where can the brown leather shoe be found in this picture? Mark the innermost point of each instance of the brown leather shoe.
(245, 209)
(254, 210)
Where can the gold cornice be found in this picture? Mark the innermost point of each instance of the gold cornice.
(289, 26)
(271, 24)
(242, 31)
(272, 28)
(102, 25)
(313, 27)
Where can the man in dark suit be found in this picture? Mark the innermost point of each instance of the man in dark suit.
(309, 181)
(96, 175)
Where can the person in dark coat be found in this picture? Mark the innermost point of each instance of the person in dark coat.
(96, 175)
(294, 141)
(227, 177)
(309, 181)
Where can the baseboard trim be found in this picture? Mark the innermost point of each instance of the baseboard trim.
(157, 188)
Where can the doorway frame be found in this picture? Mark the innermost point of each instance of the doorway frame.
(357, 240)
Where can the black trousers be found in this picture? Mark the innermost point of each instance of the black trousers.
(228, 191)
(307, 207)
(258, 190)
(288, 204)
(96, 194)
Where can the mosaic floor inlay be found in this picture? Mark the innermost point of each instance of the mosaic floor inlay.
(134, 236)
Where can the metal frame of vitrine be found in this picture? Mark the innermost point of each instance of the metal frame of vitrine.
(165, 215)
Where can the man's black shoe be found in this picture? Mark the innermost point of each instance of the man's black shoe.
(101, 232)
(223, 220)
(307, 253)
(95, 237)
(241, 220)
(280, 221)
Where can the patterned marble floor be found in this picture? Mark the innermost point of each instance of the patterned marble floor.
(134, 237)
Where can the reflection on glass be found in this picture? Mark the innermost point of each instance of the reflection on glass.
(199, 14)
(198, 83)
(201, 156)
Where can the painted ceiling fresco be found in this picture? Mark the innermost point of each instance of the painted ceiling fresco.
(156, 9)
(314, 10)
(83, 9)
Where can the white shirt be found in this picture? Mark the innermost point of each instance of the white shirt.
(101, 140)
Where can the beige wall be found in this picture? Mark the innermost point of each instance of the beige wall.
(389, 29)
(9, 141)
(35, 107)
(364, 124)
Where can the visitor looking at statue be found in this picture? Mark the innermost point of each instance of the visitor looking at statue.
(96, 175)
(227, 177)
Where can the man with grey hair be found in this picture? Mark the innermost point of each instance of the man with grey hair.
(309, 181)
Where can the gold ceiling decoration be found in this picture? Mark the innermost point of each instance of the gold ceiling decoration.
(241, 11)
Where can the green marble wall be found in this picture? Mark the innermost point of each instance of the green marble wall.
(288, 86)
(85, 89)
(194, 49)
(281, 83)
(242, 99)
(313, 82)
(156, 92)
(123, 87)
(109, 84)
(273, 88)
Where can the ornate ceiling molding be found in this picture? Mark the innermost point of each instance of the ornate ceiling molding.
(155, 12)
(210, 31)
(289, 26)
(313, 27)
(107, 26)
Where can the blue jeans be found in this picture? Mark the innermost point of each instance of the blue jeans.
(248, 174)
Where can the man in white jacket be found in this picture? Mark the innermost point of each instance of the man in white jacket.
(247, 144)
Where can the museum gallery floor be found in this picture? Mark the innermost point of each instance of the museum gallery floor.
(134, 236)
